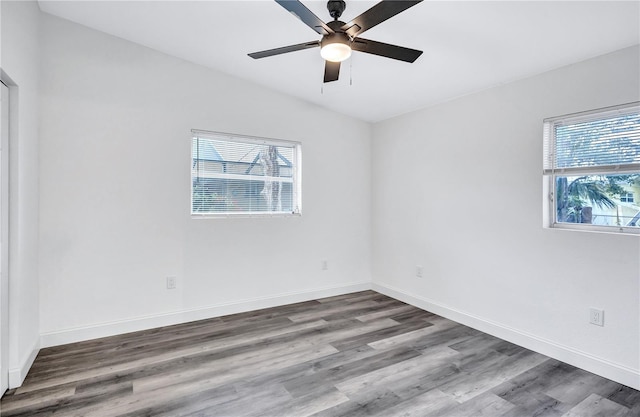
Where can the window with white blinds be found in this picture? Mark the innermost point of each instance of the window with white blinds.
(242, 175)
(592, 161)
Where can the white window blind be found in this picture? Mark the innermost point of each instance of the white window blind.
(241, 175)
(604, 141)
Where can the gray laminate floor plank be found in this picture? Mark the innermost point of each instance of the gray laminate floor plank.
(360, 354)
(337, 374)
(414, 314)
(398, 374)
(484, 405)
(596, 406)
(430, 403)
(110, 356)
(375, 335)
(363, 404)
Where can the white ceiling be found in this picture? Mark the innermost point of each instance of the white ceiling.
(468, 45)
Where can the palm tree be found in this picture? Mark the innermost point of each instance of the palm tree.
(572, 196)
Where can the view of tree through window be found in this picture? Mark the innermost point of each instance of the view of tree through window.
(597, 199)
(593, 161)
(240, 175)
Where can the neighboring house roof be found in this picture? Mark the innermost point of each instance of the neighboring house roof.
(204, 150)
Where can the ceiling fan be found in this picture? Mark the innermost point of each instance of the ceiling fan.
(339, 38)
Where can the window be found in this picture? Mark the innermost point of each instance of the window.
(241, 175)
(591, 166)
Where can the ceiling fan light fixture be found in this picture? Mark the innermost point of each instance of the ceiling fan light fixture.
(335, 52)
(335, 47)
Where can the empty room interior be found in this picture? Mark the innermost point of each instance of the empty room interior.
(312, 208)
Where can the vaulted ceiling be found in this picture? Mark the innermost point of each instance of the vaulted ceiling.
(468, 45)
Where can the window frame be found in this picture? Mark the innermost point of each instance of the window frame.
(628, 197)
(550, 174)
(239, 138)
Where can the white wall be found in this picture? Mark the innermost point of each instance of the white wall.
(457, 188)
(115, 184)
(20, 70)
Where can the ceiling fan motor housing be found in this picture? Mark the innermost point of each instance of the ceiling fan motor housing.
(336, 7)
(339, 36)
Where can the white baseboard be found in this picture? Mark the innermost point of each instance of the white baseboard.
(599, 366)
(149, 322)
(17, 375)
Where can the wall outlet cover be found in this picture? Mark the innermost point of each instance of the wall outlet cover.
(171, 283)
(596, 316)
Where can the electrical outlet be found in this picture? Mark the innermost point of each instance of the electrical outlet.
(419, 271)
(324, 264)
(596, 316)
(171, 283)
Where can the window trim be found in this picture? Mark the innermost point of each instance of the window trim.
(550, 172)
(295, 179)
(628, 197)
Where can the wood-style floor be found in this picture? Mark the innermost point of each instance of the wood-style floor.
(352, 355)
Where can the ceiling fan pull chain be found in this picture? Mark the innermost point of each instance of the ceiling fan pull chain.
(351, 71)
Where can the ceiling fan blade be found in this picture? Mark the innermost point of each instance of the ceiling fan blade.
(284, 49)
(376, 15)
(386, 50)
(331, 71)
(300, 11)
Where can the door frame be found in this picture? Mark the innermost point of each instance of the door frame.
(4, 238)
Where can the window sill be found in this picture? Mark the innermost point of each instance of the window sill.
(609, 230)
(244, 215)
